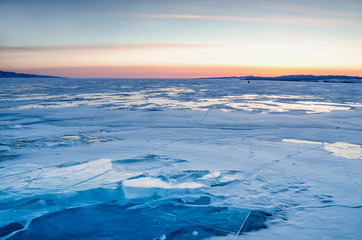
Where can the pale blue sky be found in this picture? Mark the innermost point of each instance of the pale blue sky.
(242, 24)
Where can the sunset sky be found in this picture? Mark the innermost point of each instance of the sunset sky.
(186, 38)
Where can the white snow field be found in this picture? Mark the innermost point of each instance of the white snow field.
(180, 159)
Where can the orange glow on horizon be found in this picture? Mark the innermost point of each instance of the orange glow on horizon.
(183, 71)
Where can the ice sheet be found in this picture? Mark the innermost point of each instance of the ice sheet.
(288, 154)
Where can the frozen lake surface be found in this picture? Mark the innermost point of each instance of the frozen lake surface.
(180, 159)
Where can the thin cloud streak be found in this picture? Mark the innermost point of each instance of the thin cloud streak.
(23, 49)
(280, 20)
(302, 9)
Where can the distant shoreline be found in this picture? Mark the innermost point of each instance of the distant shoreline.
(302, 78)
(4, 74)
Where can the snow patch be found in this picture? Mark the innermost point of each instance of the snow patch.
(344, 149)
(301, 141)
(149, 182)
(340, 149)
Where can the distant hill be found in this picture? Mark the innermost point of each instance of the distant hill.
(310, 78)
(303, 78)
(4, 74)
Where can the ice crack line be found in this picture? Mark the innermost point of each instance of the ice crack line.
(19, 173)
(205, 116)
(327, 206)
(242, 226)
(98, 175)
(261, 168)
(26, 226)
(162, 146)
(347, 173)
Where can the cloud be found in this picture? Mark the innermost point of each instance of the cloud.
(40, 49)
(302, 9)
(280, 20)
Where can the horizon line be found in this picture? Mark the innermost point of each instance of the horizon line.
(225, 76)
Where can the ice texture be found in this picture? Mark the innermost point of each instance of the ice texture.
(174, 221)
(179, 159)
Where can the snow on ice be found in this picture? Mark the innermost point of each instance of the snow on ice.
(180, 159)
